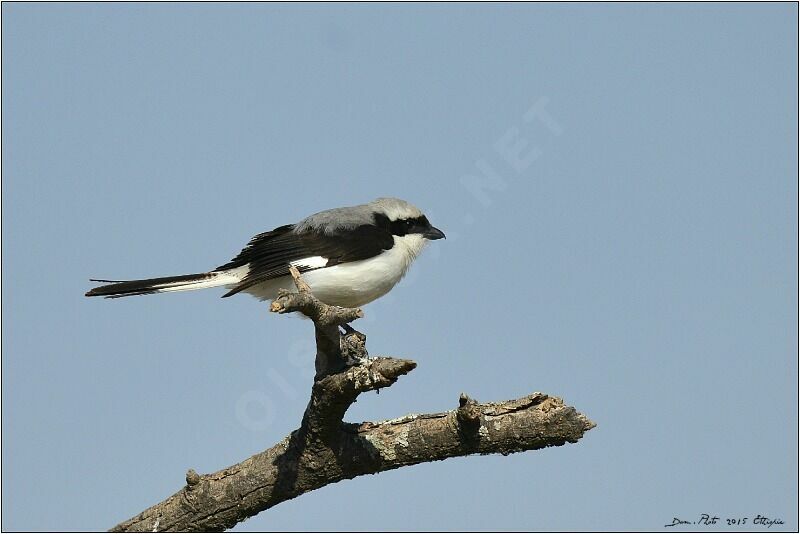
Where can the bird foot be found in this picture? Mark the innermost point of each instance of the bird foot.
(349, 330)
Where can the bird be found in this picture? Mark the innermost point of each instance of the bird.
(349, 257)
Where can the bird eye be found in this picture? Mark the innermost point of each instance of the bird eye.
(409, 223)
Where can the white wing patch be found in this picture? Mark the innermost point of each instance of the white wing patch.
(313, 262)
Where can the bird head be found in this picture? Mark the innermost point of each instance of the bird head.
(403, 219)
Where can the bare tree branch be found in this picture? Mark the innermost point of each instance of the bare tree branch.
(325, 450)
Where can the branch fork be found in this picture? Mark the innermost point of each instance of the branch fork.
(325, 450)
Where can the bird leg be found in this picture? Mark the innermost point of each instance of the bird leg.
(349, 330)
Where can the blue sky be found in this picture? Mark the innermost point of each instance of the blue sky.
(636, 254)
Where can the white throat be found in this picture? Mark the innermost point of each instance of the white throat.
(408, 248)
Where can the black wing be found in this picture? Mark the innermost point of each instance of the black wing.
(268, 255)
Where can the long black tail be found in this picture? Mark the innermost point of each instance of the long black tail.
(187, 282)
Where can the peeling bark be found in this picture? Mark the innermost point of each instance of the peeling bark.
(325, 449)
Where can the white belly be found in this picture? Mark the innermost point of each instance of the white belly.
(356, 283)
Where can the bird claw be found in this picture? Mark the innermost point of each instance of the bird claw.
(354, 346)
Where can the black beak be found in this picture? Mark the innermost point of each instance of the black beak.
(433, 233)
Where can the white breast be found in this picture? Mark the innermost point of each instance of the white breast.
(355, 283)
